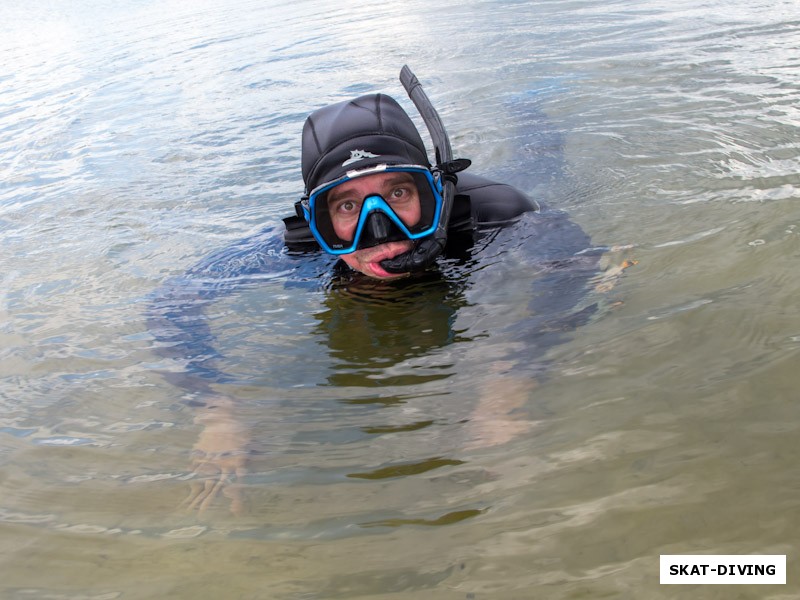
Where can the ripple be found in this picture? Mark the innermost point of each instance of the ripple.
(185, 533)
(63, 441)
(18, 517)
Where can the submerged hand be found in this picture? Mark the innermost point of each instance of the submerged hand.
(613, 268)
(219, 459)
(494, 422)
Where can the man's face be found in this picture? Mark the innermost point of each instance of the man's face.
(344, 206)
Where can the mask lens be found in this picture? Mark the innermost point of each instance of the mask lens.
(408, 197)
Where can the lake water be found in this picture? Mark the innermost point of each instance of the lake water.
(138, 137)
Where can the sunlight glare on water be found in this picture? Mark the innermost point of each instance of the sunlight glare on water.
(405, 442)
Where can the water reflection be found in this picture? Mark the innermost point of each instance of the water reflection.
(407, 469)
(370, 327)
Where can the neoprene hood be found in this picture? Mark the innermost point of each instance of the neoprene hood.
(356, 134)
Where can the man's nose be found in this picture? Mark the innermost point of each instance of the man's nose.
(377, 227)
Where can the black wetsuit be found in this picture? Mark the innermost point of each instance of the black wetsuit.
(557, 250)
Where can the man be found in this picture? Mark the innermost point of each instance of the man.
(373, 199)
(374, 202)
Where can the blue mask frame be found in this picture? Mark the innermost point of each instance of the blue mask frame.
(373, 203)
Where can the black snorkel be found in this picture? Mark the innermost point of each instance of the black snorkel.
(426, 250)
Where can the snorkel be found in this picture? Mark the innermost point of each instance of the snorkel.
(426, 250)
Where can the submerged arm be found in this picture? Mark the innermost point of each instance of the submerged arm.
(177, 319)
(567, 287)
(176, 311)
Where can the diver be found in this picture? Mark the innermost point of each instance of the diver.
(376, 214)
(373, 199)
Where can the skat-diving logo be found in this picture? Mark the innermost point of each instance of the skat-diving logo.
(357, 155)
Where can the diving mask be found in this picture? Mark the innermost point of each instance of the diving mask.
(371, 206)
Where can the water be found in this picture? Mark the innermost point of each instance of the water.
(137, 137)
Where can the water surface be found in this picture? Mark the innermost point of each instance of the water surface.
(138, 137)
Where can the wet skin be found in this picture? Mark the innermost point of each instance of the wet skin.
(344, 206)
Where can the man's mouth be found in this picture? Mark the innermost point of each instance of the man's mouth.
(375, 255)
(389, 250)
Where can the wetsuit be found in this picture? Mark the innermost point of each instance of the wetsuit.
(557, 249)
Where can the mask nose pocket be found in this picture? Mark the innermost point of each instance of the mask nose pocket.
(379, 229)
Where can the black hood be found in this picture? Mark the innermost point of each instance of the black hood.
(355, 134)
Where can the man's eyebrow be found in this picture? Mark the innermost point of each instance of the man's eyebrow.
(330, 195)
(334, 194)
(398, 179)
(395, 179)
